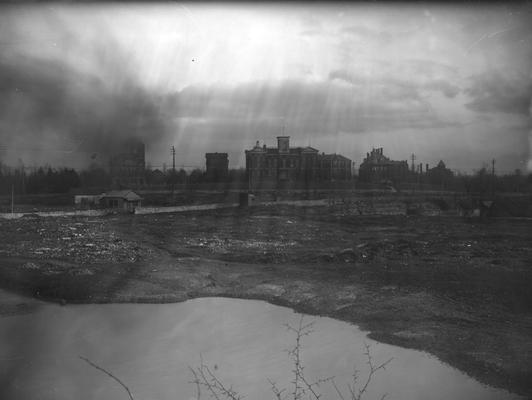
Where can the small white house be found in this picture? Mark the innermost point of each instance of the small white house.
(125, 199)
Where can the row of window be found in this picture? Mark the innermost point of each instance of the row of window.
(386, 169)
(294, 163)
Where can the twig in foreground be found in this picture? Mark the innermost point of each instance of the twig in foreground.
(109, 374)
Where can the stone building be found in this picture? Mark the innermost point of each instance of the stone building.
(217, 166)
(439, 175)
(127, 166)
(376, 168)
(285, 166)
(335, 167)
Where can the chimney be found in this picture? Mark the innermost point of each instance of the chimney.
(426, 168)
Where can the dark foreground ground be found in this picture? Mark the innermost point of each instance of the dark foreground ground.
(459, 289)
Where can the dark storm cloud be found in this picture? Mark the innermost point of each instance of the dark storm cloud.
(45, 98)
(428, 69)
(311, 32)
(317, 108)
(398, 88)
(440, 85)
(367, 33)
(49, 102)
(387, 36)
(494, 91)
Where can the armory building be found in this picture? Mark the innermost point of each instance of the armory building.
(285, 166)
(376, 167)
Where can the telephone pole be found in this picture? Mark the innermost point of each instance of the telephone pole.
(173, 170)
(492, 177)
(173, 158)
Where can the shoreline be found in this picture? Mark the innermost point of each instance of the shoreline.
(376, 330)
(458, 297)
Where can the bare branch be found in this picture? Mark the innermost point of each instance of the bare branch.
(340, 395)
(372, 370)
(276, 391)
(302, 388)
(109, 374)
(204, 377)
(197, 382)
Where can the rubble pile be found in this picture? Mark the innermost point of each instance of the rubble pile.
(78, 240)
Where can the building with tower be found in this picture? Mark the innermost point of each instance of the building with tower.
(284, 166)
(377, 168)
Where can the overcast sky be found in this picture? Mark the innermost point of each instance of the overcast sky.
(451, 82)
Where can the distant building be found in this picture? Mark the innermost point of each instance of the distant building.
(127, 167)
(281, 166)
(217, 166)
(439, 175)
(122, 199)
(334, 167)
(376, 167)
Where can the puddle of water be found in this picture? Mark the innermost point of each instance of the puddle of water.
(151, 346)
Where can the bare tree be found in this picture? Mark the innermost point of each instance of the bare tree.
(301, 386)
(357, 394)
(204, 377)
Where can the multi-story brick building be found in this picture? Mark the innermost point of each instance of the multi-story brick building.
(335, 167)
(439, 175)
(127, 166)
(376, 167)
(283, 166)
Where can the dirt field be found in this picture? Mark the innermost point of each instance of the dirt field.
(457, 288)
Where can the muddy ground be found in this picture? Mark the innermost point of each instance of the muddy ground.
(457, 288)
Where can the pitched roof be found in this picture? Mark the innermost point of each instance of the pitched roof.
(334, 156)
(123, 194)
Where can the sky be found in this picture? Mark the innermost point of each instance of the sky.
(441, 81)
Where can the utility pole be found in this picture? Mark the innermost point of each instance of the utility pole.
(492, 177)
(173, 170)
(413, 170)
(173, 158)
(420, 168)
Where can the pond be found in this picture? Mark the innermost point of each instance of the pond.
(150, 347)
